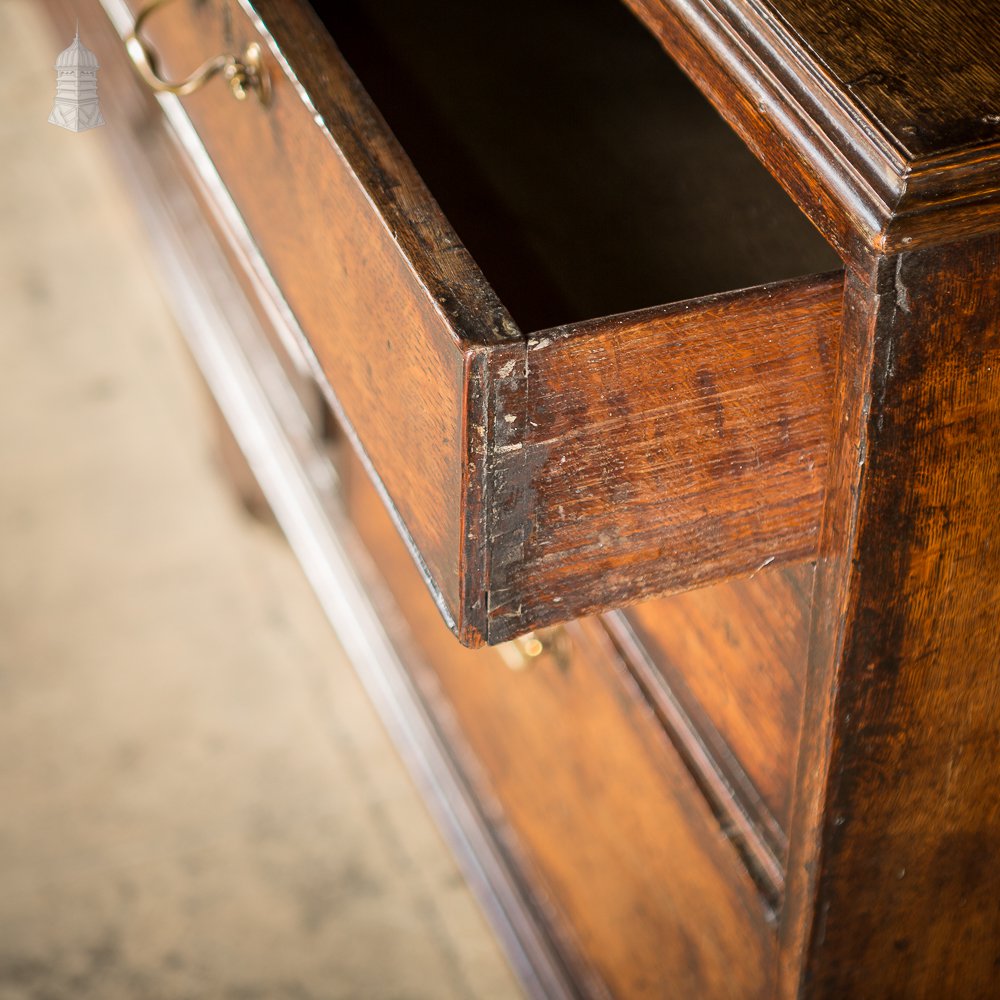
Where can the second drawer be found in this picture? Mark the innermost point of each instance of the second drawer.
(600, 819)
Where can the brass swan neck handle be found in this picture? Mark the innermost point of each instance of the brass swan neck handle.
(243, 73)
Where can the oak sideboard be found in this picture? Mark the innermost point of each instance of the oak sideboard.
(626, 378)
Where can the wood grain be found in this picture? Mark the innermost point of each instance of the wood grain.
(894, 876)
(734, 655)
(388, 298)
(928, 75)
(643, 890)
(657, 451)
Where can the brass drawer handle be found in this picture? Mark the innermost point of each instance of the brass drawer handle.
(526, 650)
(243, 73)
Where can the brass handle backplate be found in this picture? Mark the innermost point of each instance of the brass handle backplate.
(242, 73)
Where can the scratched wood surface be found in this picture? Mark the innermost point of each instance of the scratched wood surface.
(927, 74)
(656, 451)
(643, 891)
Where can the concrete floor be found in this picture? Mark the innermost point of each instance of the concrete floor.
(195, 798)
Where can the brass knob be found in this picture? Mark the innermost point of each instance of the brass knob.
(528, 649)
(242, 73)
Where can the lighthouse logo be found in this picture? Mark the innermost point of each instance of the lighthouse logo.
(76, 106)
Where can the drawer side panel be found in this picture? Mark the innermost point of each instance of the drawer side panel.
(663, 450)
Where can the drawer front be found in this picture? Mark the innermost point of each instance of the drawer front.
(465, 422)
(377, 331)
(644, 892)
(168, 189)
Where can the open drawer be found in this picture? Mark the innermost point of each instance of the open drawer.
(541, 464)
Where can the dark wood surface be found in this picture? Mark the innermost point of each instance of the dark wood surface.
(926, 75)
(825, 108)
(894, 876)
(651, 452)
(643, 890)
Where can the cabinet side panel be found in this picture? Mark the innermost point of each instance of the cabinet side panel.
(894, 876)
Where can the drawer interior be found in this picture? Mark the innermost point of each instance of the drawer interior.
(584, 172)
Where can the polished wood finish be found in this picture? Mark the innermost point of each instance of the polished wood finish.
(735, 657)
(644, 893)
(894, 876)
(926, 76)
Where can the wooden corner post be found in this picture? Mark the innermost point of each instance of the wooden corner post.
(894, 873)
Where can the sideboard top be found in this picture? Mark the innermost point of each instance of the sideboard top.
(927, 74)
(880, 117)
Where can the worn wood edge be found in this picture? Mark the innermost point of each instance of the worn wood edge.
(828, 626)
(827, 285)
(874, 198)
(510, 504)
(355, 128)
(741, 813)
(476, 496)
(328, 557)
(506, 514)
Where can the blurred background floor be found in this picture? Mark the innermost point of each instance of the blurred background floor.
(196, 800)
